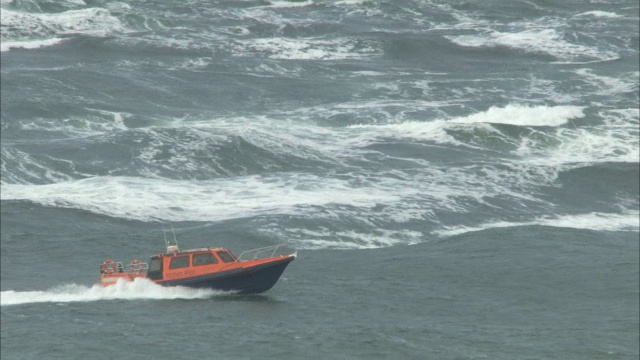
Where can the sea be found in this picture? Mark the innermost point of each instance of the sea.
(459, 179)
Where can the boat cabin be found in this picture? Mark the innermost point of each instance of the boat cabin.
(254, 271)
(176, 264)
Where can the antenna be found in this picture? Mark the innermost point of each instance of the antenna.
(174, 235)
(171, 248)
(164, 232)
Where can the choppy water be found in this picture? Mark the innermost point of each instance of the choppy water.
(460, 179)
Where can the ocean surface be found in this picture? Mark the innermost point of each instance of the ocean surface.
(460, 179)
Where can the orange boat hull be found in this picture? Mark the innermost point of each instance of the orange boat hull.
(247, 279)
(212, 268)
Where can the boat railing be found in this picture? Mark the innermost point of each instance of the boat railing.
(138, 267)
(117, 267)
(260, 252)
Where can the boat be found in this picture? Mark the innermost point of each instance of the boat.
(254, 271)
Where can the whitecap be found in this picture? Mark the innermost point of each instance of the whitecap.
(288, 4)
(536, 40)
(524, 115)
(307, 48)
(597, 221)
(30, 44)
(600, 14)
(34, 30)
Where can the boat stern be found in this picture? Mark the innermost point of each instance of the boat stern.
(112, 271)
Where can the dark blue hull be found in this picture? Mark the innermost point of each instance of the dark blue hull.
(251, 280)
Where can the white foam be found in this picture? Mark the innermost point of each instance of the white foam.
(122, 290)
(32, 44)
(241, 196)
(628, 119)
(605, 85)
(600, 14)
(96, 122)
(19, 167)
(520, 115)
(546, 147)
(587, 146)
(196, 64)
(350, 2)
(616, 140)
(402, 197)
(434, 131)
(34, 30)
(289, 4)
(324, 238)
(564, 143)
(306, 48)
(536, 40)
(628, 221)
(176, 200)
(523, 115)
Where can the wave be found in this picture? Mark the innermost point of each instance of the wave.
(537, 143)
(628, 221)
(307, 48)
(289, 4)
(190, 150)
(31, 30)
(523, 115)
(343, 211)
(324, 237)
(138, 289)
(544, 41)
(174, 200)
(610, 86)
(372, 199)
(553, 36)
(600, 14)
(31, 44)
(92, 122)
(19, 167)
(615, 140)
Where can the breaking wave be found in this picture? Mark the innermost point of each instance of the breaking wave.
(32, 30)
(628, 221)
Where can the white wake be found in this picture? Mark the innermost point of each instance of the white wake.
(135, 290)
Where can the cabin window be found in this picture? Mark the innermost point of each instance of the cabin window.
(204, 259)
(179, 262)
(225, 256)
(155, 265)
(155, 269)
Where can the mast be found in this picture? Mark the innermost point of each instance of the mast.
(171, 247)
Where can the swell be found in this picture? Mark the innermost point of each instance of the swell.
(180, 153)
